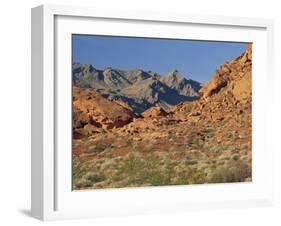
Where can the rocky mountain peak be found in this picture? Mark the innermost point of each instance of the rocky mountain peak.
(108, 69)
(137, 88)
(173, 76)
(82, 69)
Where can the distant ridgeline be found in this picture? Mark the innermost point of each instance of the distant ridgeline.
(138, 90)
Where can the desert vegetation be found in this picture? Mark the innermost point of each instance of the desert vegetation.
(205, 139)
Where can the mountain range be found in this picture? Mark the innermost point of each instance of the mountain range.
(208, 140)
(137, 89)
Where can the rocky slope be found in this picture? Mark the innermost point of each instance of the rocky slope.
(93, 113)
(137, 89)
(235, 76)
(204, 141)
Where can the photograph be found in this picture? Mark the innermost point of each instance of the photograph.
(160, 112)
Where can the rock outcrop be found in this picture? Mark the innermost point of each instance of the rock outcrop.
(92, 112)
(154, 112)
(235, 76)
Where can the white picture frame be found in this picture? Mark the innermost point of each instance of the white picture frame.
(52, 197)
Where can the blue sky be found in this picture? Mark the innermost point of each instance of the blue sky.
(197, 60)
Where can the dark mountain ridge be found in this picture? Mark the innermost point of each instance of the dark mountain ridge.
(138, 89)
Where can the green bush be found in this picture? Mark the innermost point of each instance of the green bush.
(191, 175)
(232, 171)
(144, 170)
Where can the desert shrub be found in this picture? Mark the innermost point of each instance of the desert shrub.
(209, 130)
(80, 167)
(155, 170)
(224, 157)
(234, 135)
(217, 148)
(190, 175)
(191, 161)
(84, 169)
(232, 171)
(100, 146)
(245, 158)
(182, 178)
(235, 157)
(245, 146)
(148, 169)
(83, 184)
(94, 177)
(194, 141)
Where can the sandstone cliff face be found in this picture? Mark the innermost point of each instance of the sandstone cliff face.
(227, 97)
(234, 76)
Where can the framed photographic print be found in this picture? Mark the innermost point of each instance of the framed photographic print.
(138, 112)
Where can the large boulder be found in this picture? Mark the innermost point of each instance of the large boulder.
(154, 112)
(92, 110)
